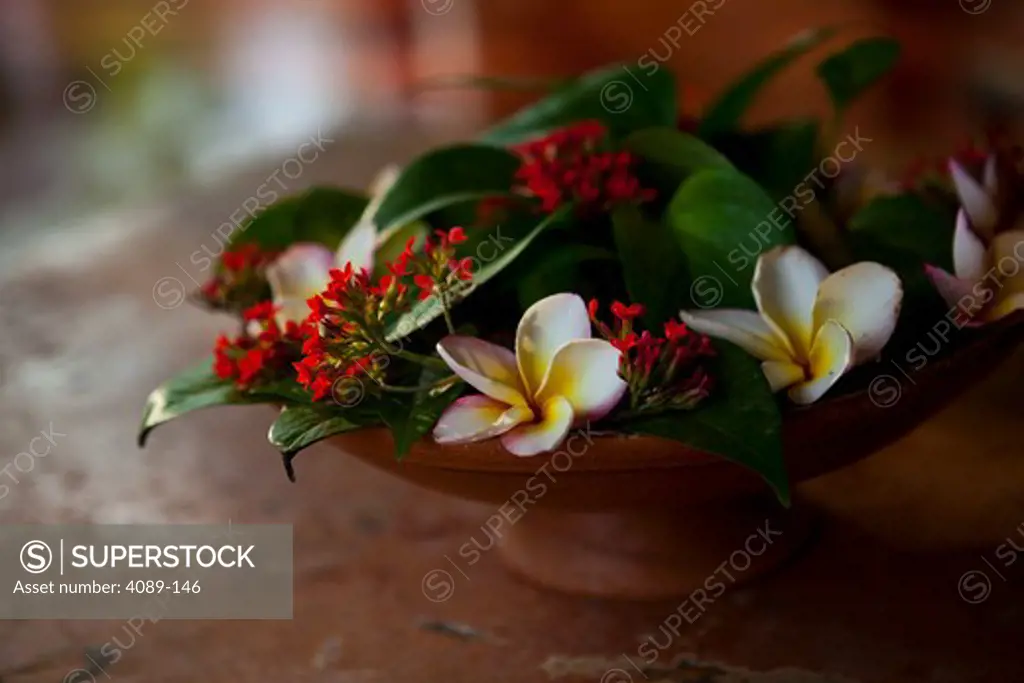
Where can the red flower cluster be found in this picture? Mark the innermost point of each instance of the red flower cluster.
(262, 353)
(240, 282)
(574, 165)
(662, 372)
(348, 321)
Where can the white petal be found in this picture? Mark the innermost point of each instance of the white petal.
(980, 207)
(785, 284)
(831, 357)
(865, 299)
(586, 372)
(357, 246)
(952, 289)
(968, 250)
(545, 435)
(746, 329)
(301, 272)
(782, 374)
(545, 327)
(477, 417)
(990, 179)
(487, 367)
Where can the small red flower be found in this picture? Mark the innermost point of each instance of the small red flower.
(624, 312)
(569, 165)
(457, 235)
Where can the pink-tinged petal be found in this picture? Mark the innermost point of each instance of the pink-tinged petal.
(477, 417)
(746, 329)
(358, 245)
(301, 272)
(545, 435)
(865, 299)
(785, 284)
(968, 250)
(980, 207)
(487, 367)
(546, 327)
(782, 374)
(952, 289)
(990, 179)
(586, 372)
(831, 356)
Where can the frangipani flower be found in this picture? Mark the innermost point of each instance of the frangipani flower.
(557, 377)
(303, 270)
(988, 250)
(810, 327)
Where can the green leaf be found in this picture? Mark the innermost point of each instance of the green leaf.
(298, 427)
(674, 155)
(621, 99)
(653, 265)
(903, 229)
(557, 271)
(322, 214)
(426, 311)
(741, 421)
(410, 417)
(848, 73)
(778, 157)
(446, 176)
(194, 389)
(725, 114)
(723, 221)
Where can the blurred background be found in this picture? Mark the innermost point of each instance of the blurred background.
(130, 130)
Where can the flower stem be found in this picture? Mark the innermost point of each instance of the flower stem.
(443, 297)
(413, 390)
(426, 361)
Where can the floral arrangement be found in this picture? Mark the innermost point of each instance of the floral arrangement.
(586, 261)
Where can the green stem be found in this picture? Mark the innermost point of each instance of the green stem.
(426, 361)
(443, 296)
(414, 390)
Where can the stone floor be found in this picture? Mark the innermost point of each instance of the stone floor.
(84, 336)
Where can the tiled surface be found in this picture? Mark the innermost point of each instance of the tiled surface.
(82, 341)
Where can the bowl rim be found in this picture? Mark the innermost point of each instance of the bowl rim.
(623, 452)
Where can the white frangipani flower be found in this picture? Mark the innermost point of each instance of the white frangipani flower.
(303, 270)
(988, 261)
(557, 377)
(810, 327)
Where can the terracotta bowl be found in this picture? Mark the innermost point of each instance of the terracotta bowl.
(644, 518)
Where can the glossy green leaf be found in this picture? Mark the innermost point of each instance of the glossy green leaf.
(192, 390)
(624, 99)
(725, 113)
(653, 265)
(674, 155)
(724, 221)
(443, 177)
(298, 427)
(322, 214)
(426, 311)
(778, 157)
(741, 420)
(558, 270)
(412, 416)
(904, 228)
(849, 73)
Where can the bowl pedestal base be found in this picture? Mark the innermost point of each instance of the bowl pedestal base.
(655, 554)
